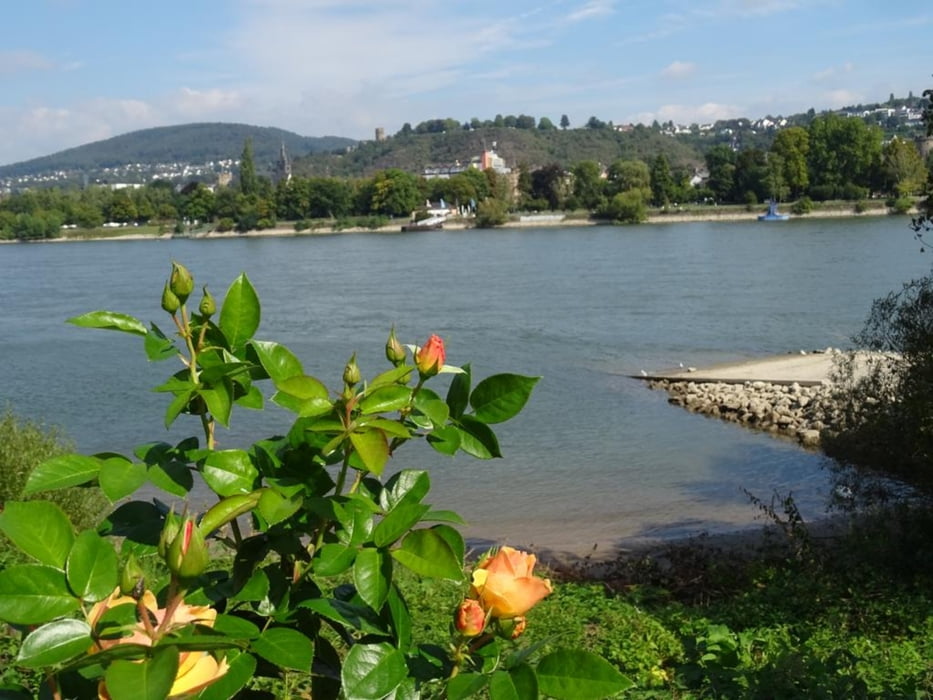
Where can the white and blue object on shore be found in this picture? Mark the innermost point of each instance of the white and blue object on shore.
(772, 214)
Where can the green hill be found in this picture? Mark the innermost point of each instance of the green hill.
(531, 147)
(186, 143)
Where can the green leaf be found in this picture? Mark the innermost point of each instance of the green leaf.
(236, 627)
(111, 321)
(274, 507)
(399, 521)
(150, 679)
(372, 671)
(465, 685)
(386, 399)
(524, 681)
(239, 316)
(579, 675)
(219, 400)
(407, 486)
(285, 647)
(372, 447)
(445, 439)
(458, 395)
(54, 643)
(433, 407)
(62, 472)
(333, 559)
(240, 672)
(444, 516)
(427, 553)
(303, 386)
(372, 574)
(400, 617)
(158, 347)
(358, 617)
(277, 360)
(32, 594)
(396, 375)
(229, 472)
(119, 477)
(501, 687)
(454, 540)
(251, 399)
(92, 567)
(171, 476)
(137, 521)
(501, 396)
(40, 529)
(478, 439)
(177, 405)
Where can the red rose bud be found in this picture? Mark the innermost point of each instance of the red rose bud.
(395, 352)
(181, 282)
(470, 618)
(188, 556)
(430, 358)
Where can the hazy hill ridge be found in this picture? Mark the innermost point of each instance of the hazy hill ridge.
(186, 143)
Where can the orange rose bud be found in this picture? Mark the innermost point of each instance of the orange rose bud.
(470, 619)
(430, 358)
(511, 627)
(505, 583)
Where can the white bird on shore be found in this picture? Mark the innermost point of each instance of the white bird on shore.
(644, 373)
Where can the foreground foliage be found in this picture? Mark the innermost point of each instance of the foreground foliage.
(311, 526)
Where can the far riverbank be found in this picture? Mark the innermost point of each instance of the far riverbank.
(726, 213)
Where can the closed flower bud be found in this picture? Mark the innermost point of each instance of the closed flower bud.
(430, 358)
(395, 352)
(169, 533)
(181, 282)
(132, 579)
(470, 618)
(351, 373)
(511, 627)
(170, 302)
(207, 306)
(188, 556)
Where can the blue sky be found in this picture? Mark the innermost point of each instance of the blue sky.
(76, 71)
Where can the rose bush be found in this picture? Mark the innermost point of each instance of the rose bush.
(288, 579)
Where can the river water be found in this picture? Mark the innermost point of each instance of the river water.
(596, 458)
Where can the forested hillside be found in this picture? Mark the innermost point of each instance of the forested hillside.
(519, 147)
(187, 143)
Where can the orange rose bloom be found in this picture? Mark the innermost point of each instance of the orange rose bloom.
(505, 584)
(430, 358)
(196, 669)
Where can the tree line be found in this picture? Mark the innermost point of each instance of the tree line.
(834, 157)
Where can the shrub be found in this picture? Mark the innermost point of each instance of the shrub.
(225, 224)
(490, 213)
(302, 225)
(804, 205)
(860, 207)
(23, 446)
(899, 205)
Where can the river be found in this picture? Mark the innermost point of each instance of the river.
(596, 458)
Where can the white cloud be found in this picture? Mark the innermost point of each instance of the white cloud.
(591, 9)
(840, 98)
(21, 61)
(689, 114)
(202, 104)
(679, 69)
(833, 72)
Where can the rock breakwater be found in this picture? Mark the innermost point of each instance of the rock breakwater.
(789, 410)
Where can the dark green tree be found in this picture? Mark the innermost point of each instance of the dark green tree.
(588, 185)
(564, 121)
(249, 183)
(662, 182)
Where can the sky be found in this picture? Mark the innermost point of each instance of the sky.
(77, 71)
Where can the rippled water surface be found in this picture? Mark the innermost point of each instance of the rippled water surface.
(596, 457)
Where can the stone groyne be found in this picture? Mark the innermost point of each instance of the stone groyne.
(789, 410)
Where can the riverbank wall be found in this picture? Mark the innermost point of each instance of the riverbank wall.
(792, 411)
